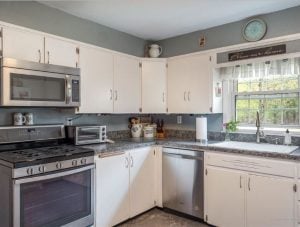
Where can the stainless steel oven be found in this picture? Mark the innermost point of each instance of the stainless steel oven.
(26, 83)
(63, 198)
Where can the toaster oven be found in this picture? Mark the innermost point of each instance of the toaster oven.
(86, 134)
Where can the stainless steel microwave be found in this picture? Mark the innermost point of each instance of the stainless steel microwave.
(25, 83)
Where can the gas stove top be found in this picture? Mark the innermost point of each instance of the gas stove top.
(27, 146)
(27, 157)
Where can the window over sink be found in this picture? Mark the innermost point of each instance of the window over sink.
(272, 88)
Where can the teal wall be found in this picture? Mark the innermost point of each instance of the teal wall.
(46, 19)
(279, 23)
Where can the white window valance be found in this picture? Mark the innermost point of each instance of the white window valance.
(258, 70)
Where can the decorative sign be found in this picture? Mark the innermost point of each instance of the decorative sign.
(255, 53)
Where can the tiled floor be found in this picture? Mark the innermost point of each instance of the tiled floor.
(159, 218)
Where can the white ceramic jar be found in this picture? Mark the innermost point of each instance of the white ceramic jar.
(136, 130)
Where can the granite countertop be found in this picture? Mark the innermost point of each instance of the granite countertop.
(120, 146)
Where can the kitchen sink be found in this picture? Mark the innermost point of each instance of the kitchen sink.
(261, 147)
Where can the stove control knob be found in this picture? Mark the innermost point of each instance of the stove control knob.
(29, 171)
(58, 165)
(74, 163)
(83, 161)
(42, 169)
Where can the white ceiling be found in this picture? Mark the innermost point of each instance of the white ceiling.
(160, 19)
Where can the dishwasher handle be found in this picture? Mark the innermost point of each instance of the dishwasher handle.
(184, 156)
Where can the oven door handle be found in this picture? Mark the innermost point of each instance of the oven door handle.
(54, 175)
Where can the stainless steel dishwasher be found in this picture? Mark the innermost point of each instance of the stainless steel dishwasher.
(183, 174)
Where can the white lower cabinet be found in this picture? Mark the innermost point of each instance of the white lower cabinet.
(224, 197)
(237, 197)
(125, 186)
(270, 201)
(112, 194)
(142, 178)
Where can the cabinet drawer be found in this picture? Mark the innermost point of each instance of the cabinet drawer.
(251, 164)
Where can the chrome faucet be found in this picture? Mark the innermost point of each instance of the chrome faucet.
(259, 133)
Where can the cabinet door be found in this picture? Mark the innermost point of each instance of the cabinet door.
(96, 81)
(60, 52)
(127, 84)
(154, 86)
(224, 197)
(270, 201)
(142, 180)
(199, 78)
(112, 190)
(177, 85)
(23, 45)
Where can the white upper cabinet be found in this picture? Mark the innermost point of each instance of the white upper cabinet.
(177, 85)
(154, 86)
(23, 45)
(96, 81)
(60, 52)
(190, 80)
(127, 84)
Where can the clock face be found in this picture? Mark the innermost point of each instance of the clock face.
(254, 30)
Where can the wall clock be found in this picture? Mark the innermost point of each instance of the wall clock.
(254, 30)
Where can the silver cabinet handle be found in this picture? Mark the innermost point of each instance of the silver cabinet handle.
(126, 162)
(48, 53)
(240, 181)
(111, 94)
(131, 161)
(40, 56)
(189, 94)
(163, 97)
(249, 184)
(184, 98)
(116, 95)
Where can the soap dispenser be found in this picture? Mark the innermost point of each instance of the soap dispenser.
(287, 138)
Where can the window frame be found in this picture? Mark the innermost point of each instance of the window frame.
(275, 128)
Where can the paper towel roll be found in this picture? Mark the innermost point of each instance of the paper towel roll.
(201, 129)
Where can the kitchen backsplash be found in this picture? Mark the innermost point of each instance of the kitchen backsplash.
(114, 122)
(117, 124)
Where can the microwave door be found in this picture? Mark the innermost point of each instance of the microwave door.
(33, 88)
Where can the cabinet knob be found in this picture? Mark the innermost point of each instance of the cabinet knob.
(42, 169)
(29, 171)
(74, 163)
(58, 165)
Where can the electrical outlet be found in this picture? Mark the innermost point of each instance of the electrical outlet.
(179, 119)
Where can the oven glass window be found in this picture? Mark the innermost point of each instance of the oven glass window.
(55, 202)
(37, 88)
(86, 134)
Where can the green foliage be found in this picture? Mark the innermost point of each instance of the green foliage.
(231, 126)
